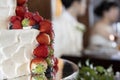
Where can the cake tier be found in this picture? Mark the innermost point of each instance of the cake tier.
(16, 52)
(7, 9)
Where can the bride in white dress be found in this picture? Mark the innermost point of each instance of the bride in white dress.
(102, 34)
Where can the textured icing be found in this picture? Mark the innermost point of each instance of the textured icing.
(16, 52)
(7, 9)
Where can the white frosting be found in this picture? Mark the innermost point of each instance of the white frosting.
(7, 9)
(16, 52)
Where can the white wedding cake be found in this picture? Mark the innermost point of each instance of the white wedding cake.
(25, 43)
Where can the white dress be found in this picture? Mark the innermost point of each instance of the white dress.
(99, 40)
(101, 47)
(68, 35)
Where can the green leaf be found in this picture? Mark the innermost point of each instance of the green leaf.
(25, 22)
(39, 77)
(100, 69)
(90, 72)
(49, 61)
(39, 69)
(51, 51)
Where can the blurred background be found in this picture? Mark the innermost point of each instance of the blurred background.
(97, 23)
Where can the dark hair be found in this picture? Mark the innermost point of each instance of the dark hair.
(104, 6)
(68, 3)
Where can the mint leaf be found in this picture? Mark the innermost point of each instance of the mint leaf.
(39, 77)
(39, 69)
(25, 22)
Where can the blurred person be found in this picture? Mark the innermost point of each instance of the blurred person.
(102, 34)
(68, 31)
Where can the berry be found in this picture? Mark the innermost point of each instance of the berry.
(37, 17)
(55, 64)
(20, 11)
(38, 66)
(43, 38)
(45, 26)
(55, 61)
(21, 2)
(52, 35)
(17, 25)
(41, 51)
(28, 15)
(32, 22)
(49, 72)
(36, 27)
(56, 69)
(10, 27)
(14, 18)
(49, 69)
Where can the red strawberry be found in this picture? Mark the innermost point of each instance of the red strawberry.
(14, 18)
(43, 38)
(37, 17)
(56, 69)
(28, 15)
(45, 26)
(55, 61)
(20, 11)
(38, 64)
(52, 35)
(21, 2)
(41, 51)
(36, 13)
(32, 22)
(55, 64)
(17, 25)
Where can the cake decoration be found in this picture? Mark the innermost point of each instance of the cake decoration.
(43, 63)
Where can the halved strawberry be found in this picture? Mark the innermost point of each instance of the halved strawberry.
(45, 26)
(17, 25)
(43, 38)
(20, 11)
(21, 2)
(38, 66)
(37, 17)
(41, 51)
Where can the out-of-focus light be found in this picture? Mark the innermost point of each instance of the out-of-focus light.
(111, 37)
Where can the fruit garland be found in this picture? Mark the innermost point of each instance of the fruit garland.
(44, 61)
